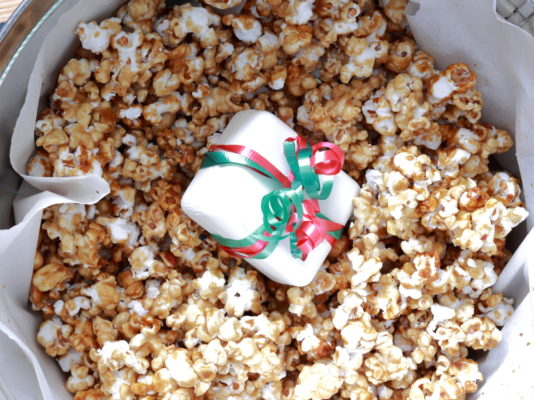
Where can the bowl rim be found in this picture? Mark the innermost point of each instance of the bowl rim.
(19, 29)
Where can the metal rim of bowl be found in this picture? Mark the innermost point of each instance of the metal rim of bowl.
(20, 28)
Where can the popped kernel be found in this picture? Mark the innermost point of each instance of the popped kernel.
(50, 276)
(318, 381)
(241, 293)
(223, 4)
(96, 37)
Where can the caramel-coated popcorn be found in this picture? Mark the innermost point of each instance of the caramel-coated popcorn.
(138, 302)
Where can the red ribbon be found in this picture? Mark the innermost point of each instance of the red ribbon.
(246, 252)
(310, 233)
(327, 158)
(257, 158)
(313, 229)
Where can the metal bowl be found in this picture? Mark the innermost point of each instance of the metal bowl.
(19, 28)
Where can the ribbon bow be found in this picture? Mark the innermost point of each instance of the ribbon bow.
(293, 210)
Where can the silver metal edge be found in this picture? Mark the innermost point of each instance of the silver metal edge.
(12, 21)
(13, 18)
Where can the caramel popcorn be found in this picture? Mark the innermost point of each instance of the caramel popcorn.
(223, 4)
(318, 381)
(139, 302)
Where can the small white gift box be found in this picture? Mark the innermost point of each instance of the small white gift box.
(226, 199)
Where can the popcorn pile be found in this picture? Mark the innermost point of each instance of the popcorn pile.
(137, 300)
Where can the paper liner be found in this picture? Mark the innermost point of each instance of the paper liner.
(17, 244)
(451, 31)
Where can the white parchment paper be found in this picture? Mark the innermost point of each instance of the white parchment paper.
(451, 31)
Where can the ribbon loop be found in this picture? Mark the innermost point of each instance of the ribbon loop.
(286, 211)
(327, 159)
(279, 209)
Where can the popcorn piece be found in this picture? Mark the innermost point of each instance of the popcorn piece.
(165, 83)
(189, 19)
(69, 360)
(80, 162)
(152, 288)
(295, 37)
(115, 355)
(142, 9)
(388, 362)
(394, 10)
(181, 368)
(318, 381)
(457, 78)
(104, 330)
(298, 12)
(246, 28)
(308, 339)
(223, 4)
(51, 276)
(53, 336)
(143, 262)
(210, 285)
(120, 230)
(366, 271)
(362, 58)
(378, 113)
(39, 165)
(75, 305)
(499, 313)
(400, 54)
(96, 38)
(481, 334)
(240, 294)
(103, 295)
(300, 302)
(79, 380)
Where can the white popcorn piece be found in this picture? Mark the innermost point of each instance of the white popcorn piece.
(226, 200)
(118, 354)
(247, 30)
(37, 166)
(120, 230)
(69, 360)
(303, 11)
(95, 38)
(49, 331)
(318, 381)
(442, 88)
(181, 369)
(132, 113)
(152, 288)
(80, 303)
(240, 293)
(136, 307)
(308, 339)
(209, 281)
(142, 260)
(500, 313)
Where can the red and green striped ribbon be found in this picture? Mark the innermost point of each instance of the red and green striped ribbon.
(292, 211)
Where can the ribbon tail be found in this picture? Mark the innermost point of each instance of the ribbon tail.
(293, 245)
